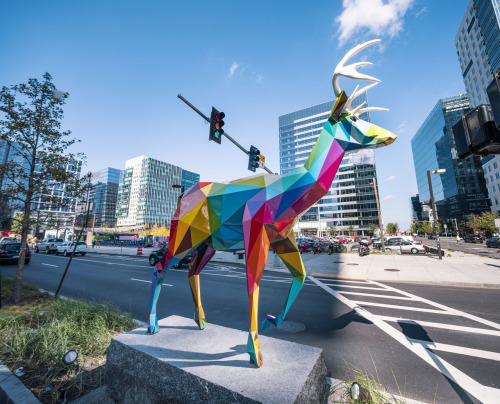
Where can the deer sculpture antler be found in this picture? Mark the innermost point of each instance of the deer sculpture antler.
(351, 73)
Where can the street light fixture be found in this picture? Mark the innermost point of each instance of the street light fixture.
(429, 172)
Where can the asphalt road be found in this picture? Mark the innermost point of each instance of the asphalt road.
(471, 248)
(407, 336)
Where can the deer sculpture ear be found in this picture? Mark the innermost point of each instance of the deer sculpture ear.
(339, 106)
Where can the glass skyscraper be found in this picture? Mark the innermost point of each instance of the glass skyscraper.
(462, 189)
(145, 193)
(350, 203)
(104, 196)
(478, 50)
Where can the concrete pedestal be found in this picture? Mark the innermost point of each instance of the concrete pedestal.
(182, 364)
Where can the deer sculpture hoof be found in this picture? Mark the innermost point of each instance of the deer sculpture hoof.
(200, 321)
(270, 322)
(253, 349)
(153, 329)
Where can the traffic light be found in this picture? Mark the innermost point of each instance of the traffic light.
(216, 124)
(476, 134)
(414, 221)
(253, 158)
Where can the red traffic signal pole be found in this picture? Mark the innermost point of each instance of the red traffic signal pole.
(224, 134)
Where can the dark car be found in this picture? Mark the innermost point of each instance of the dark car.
(493, 242)
(156, 256)
(473, 238)
(9, 252)
(431, 237)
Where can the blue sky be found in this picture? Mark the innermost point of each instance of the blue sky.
(124, 62)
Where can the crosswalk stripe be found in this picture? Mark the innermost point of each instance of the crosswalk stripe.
(452, 327)
(478, 353)
(397, 307)
(375, 295)
(449, 310)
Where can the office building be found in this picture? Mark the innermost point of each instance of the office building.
(104, 197)
(416, 208)
(350, 203)
(478, 49)
(145, 193)
(462, 189)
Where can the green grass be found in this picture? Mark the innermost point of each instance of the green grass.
(36, 333)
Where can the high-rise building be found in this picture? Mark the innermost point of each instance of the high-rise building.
(462, 189)
(478, 49)
(416, 208)
(350, 203)
(145, 193)
(104, 196)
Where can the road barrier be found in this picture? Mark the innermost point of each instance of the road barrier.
(139, 249)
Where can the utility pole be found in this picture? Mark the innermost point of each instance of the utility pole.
(224, 134)
(379, 213)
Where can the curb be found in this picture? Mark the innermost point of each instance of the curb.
(12, 389)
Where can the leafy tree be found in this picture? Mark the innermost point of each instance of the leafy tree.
(332, 230)
(163, 231)
(427, 228)
(372, 228)
(392, 228)
(484, 222)
(17, 221)
(415, 228)
(30, 122)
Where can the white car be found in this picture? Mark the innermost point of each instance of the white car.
(406, 247)
(67, 247)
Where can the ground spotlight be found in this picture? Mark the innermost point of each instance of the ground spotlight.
(70, 357)
(360, 394)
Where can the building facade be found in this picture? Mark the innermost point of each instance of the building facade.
(104, 196)
(350, 203)
(145, 193)
(462, 189)
(478, 49)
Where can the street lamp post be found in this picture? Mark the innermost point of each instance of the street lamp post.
(440, 171)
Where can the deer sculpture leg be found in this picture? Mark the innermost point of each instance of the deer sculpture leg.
(256, 250)
(202, 255)
(289, 253)
(171, 257)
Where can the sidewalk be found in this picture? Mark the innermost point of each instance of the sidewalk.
(456, 268)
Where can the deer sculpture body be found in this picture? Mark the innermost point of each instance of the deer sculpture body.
(259, 212)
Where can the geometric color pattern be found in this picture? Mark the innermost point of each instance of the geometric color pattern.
(258, 213)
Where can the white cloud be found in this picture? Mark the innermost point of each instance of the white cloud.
(259, 78)
(422, 11)
(233, 69)
(378, 17)
(402, 127)
(386, 198)
(390, 178)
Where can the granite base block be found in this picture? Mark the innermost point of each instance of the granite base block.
(182, 364)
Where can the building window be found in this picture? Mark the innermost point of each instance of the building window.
(495, 166)
(489, 169)
(493, 188)
(496, 201)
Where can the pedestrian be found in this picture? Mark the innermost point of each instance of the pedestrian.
(93, 242)
(458, 239)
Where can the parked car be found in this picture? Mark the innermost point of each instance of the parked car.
(67, 247)
(9, 252)
(12, 239)
(366, 240)
(431, 237)
(473, 238)
(156, 256)
(493, 242)
(49, 245)
(405, 247)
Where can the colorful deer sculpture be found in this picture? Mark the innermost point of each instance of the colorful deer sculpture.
(259, 212)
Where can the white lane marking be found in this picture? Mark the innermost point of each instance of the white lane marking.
(442, 306)
(397, 307)
(112, 263)
(353, 287)
(483, 393)
(452, 327)
(50, 265)
(478, 353)
(142, 280)
(338, 280)
(375, 295)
